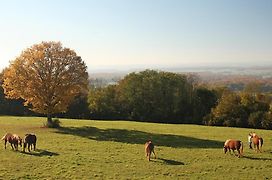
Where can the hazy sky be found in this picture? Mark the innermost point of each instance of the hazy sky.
(129, 33)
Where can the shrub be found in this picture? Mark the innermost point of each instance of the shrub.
(255, 119)
(267, 121)
(55, 123)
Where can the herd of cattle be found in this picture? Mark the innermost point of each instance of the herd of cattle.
(30, 140)
(253, 139)
(230, 144)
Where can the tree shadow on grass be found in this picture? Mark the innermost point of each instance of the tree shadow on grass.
(139, 137)
(40, 153)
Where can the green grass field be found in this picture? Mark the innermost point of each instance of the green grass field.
(115, 150)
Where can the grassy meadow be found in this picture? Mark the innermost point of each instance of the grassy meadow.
(115, 150)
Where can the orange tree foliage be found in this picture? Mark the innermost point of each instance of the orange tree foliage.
(47, 76)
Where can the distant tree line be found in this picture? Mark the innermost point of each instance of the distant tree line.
(165, 97)
(242, 109)
(152, 96)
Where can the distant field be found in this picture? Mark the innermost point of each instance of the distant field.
(115, 150)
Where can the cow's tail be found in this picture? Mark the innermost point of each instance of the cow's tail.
(261, 142)
(4, 137)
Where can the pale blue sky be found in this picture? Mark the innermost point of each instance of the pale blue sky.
(149, 33)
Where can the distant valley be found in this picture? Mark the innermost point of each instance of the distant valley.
(233, 77)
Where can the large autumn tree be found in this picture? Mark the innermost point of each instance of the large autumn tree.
(47, 76)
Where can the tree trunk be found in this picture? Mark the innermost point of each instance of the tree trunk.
(49, 120)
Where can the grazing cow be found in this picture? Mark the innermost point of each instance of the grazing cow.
(231, 144)
(13, 139)
(149, 148)
(29, 141)
(257, 143)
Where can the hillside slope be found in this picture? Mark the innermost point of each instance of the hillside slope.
(115, 150)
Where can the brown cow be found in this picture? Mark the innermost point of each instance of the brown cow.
(13, 139)
(257, 142)
(149, 148)
(29, 141)
(231, 144)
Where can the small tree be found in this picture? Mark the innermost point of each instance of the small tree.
(267, 121)
(255, 119)
(229, 111)
(103, 102)
(47, 76)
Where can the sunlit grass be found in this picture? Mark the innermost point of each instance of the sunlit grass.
(115, 150)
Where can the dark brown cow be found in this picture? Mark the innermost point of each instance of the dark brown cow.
(13, 139)
(29, 141)
(149, 148)
(231, 144)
